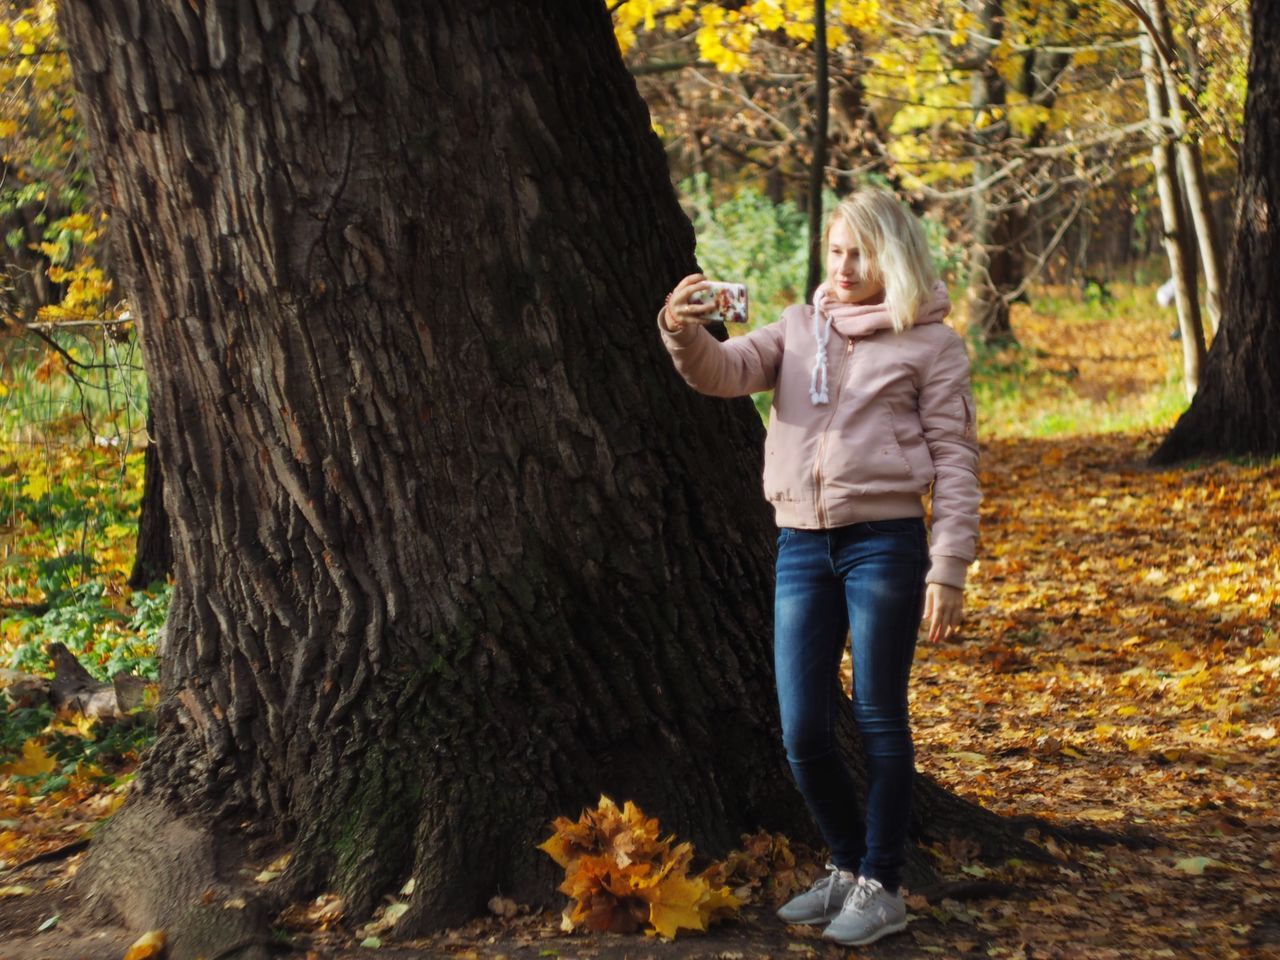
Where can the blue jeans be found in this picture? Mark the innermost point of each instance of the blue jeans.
(867, 578)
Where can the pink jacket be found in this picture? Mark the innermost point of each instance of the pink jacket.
(899, 421)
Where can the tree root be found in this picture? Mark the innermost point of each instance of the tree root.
(48, 856)
(152, 868)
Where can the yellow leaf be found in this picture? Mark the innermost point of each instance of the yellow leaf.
(150, 944)
(37, 486)
(16, 890)
(1196, 866)
(35, 762)
(675, 905)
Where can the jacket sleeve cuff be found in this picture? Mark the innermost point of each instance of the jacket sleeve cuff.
(676, 338)
(949, 571)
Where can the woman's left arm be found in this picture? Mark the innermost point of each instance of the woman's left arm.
(950, 431)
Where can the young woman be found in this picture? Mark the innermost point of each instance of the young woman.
(871, 411)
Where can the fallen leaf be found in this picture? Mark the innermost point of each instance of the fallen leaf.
(34, 763)
(1196, 866)
(150, 944)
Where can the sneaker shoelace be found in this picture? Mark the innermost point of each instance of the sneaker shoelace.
(860, 895)
(829, 885)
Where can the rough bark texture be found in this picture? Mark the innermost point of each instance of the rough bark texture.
(455, 551)
(1234, 411)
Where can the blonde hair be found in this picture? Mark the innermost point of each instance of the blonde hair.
(894, 250)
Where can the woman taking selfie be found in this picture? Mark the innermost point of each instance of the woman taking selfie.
(871, 410)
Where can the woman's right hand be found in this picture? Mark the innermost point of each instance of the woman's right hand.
(679, 312)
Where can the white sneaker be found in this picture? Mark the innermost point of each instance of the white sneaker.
(821, 902)
(869, 913)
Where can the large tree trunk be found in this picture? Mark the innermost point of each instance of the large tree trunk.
(455, 551)
(1234, 411)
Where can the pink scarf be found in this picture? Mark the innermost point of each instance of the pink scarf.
(854, 320)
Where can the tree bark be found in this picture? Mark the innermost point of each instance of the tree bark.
(1234, 411)
(455, 550)
(1177, 241)
(1191, 167)
(991, 262)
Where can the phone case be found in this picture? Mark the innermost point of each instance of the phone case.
(730, 300)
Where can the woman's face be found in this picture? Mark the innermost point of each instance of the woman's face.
(846, 266)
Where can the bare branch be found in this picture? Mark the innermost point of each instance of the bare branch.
(1054, 241)
(1169, 57)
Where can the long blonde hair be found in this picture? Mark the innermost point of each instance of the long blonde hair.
(894, 250)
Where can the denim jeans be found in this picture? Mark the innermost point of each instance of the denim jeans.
(867, 578)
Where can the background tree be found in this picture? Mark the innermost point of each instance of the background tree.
(1234, 411)
(1180, 250)
(454, 549)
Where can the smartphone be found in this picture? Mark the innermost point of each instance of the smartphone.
(730, 300)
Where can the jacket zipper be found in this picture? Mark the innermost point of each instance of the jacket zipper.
(822, 440)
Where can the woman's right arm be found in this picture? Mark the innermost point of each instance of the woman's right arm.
(732, 368)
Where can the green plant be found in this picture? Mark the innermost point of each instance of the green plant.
(749, 238)
(84, 619)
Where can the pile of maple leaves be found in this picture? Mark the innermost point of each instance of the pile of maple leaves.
(620, 874)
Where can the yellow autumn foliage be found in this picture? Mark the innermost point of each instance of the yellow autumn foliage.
(34, 762)
(621, 874)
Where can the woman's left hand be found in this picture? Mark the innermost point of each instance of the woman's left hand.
(943, 606)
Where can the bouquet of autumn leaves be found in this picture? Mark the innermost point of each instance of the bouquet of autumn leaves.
(621, 876)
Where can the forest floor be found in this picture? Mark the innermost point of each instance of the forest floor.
(1119, 668)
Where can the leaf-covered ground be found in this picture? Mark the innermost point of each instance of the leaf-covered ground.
(1118, 670)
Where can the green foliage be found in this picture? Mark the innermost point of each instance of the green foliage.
(20, 725)
(85, 620)
(748, 238)
(80, 751)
